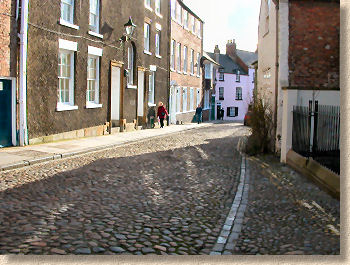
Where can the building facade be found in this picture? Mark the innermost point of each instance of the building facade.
(235, 82)
(298, 60)
(186, 49)
(8, 72)
(86, 76)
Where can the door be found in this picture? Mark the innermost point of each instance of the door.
(115, 96)
(172, 105)
(218, 109)
(140, 92)
(5, 113)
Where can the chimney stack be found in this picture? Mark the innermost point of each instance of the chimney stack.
(231, 49)
(217, 53)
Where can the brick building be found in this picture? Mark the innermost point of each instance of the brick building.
(186, 50)
(8, 71)
(84, 76)
(298, 59)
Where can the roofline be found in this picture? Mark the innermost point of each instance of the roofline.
(189, 10)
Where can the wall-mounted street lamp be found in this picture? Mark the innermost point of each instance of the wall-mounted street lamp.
(129, 29)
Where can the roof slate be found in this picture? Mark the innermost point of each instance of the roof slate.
(247, 57)
(230, 67)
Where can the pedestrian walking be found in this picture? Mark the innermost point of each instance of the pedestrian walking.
(162, 113)
(199, 111)
(222, 112)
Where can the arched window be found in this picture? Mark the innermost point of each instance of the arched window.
(131, 61)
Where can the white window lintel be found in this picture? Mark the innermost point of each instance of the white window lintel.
(67, 45)
(95, 51)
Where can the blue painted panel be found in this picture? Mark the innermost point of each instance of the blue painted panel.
(5, 113)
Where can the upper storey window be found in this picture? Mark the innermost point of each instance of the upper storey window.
(94, 15)
(67, 9)
(185, 14)
(178, 13)
(157, 9)
(148, 3)
(173, 9)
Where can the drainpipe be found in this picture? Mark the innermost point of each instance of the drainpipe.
(23, 136)
(276, 74)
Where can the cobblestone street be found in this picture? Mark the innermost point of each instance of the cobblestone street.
(189, 192)
(169, 195)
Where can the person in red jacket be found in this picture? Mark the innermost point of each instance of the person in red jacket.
(162, 113)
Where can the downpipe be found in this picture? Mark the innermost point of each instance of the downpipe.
(23, 132)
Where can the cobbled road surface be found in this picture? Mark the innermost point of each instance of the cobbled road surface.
(168, 195)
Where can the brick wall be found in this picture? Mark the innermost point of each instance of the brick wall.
(314, 44)
(186, 38)
(7, 38)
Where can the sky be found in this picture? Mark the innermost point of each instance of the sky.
(228, 19)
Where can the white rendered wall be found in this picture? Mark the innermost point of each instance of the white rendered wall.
(229, 84)
(301, 98)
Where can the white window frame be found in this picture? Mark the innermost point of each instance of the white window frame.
(69, 3)
(148, 4)
(192, 62)
(239, 93)
(178, 99)
(178, 62)
(146, 36)
(198, 28)
(238, 76)
(223, 93)
(185, 19)
(70, 21)
(96, 53)
(157, 43)
(67, 47)
(193, 25)
(184, 99)
(97, 26)
(198, 65)
(172, 55)
(191, 98)
(178, 13)
(157, 7)
(208, 71)
(185, 59)
(198, 98)
(206, 99)
(130, 67)
(151, 88)
(173, 9)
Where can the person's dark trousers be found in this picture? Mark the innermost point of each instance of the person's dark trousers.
(161, 122)
(199, 118)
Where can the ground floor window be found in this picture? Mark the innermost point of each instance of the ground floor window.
(151, 85)
(191, 98)
(178, 92)
(206, 99)
(184, 99)
(66, 77)
(232, 111)
(198, 99)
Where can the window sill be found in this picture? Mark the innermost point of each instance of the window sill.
(159, 15)
(198, 76)
(179, 72)
(185, 73)
(149, 8)
(172, 70)
(192, 75)
(95, 34)
(151, 104)
(131, 86)
(147, 52)
(92, 105)
(64, 107)
(158, 56)
(68, 24)
(239, 99)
